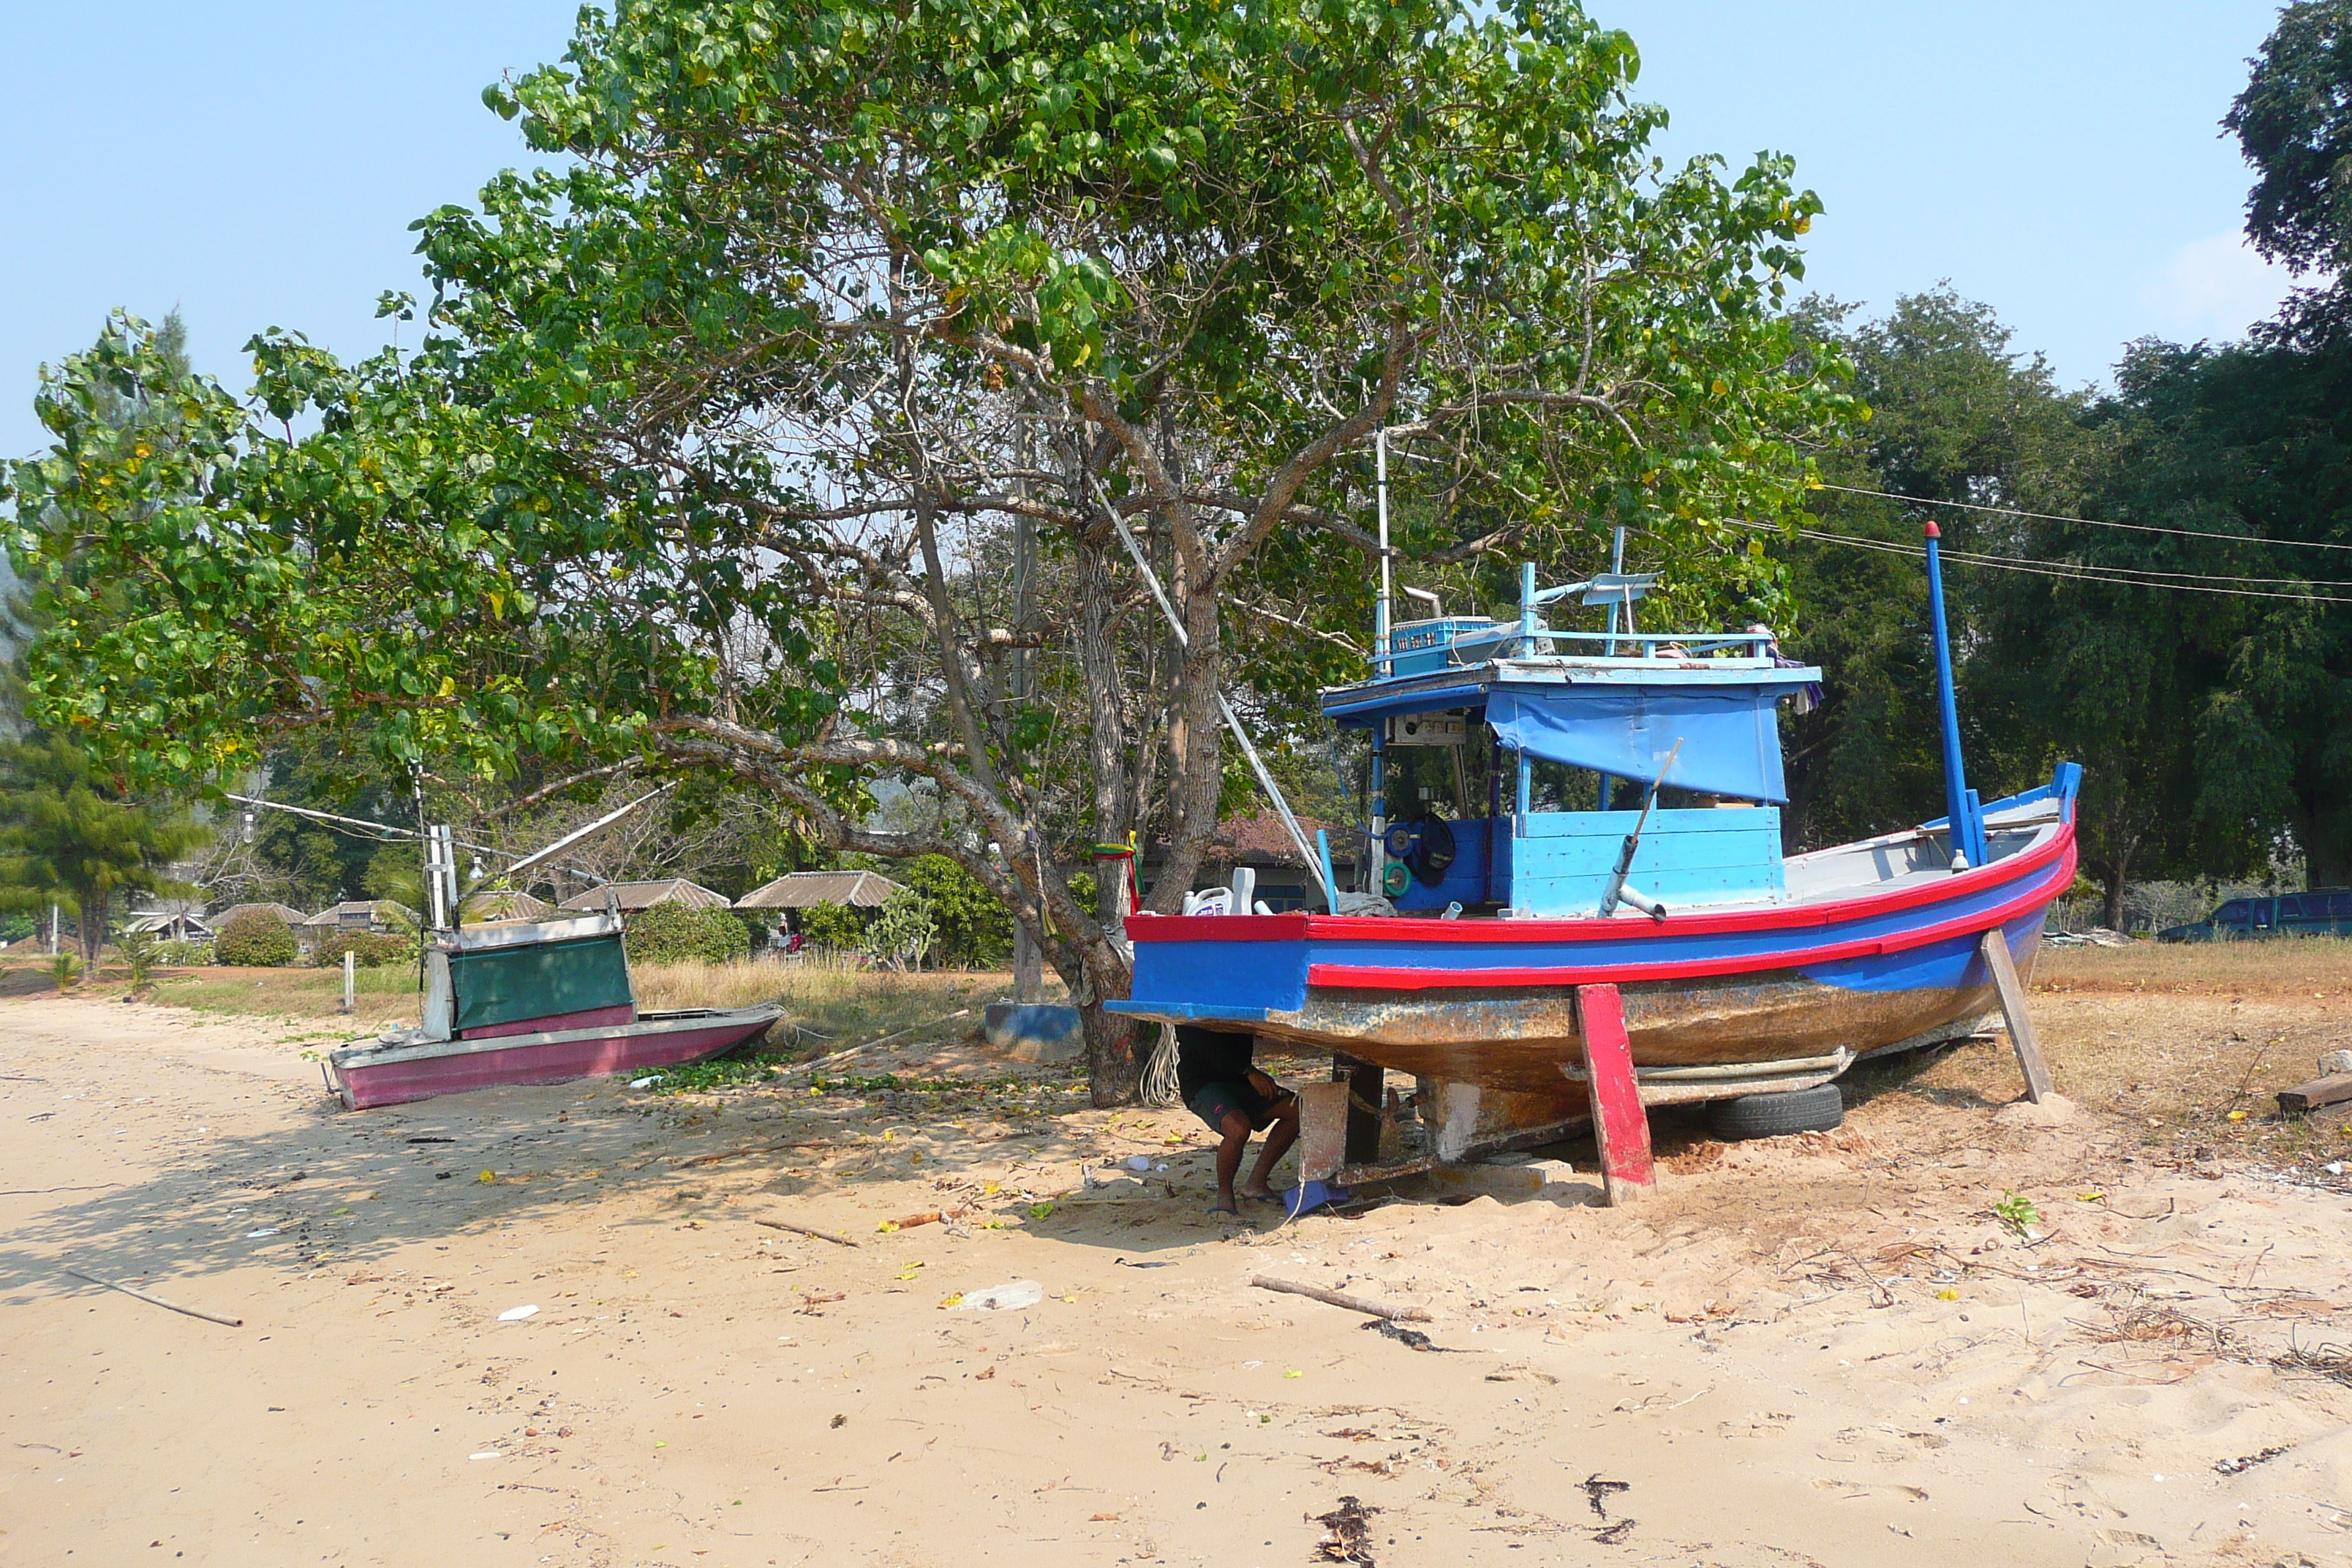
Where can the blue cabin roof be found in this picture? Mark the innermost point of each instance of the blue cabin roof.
(1617, 703)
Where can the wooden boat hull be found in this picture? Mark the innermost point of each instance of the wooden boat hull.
(373, 1074)
(1492, 1002)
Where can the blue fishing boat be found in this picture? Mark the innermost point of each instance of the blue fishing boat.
(1602, 808)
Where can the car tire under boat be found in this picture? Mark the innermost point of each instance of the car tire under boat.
(1820, 1109)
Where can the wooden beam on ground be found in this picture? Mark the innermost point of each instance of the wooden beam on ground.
(2319, 1091)
(1620, 1126)
(1995, 949)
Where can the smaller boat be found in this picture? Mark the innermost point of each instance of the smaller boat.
(542, 1002)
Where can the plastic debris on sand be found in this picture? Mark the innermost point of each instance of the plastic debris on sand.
(1009, 1297)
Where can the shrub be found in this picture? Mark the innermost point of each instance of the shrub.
(139, 953)
(65, 970)
(674, 933)
(903, 931)
(254, 936)
(368, 949)
(183, 953)
(832, 925)
(975, 928)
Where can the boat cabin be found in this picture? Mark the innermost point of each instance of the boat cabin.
(481, 981)
(1511, 762)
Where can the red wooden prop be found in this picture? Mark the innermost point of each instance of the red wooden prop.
(1620, 1125)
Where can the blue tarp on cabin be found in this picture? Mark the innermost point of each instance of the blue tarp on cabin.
(1730, 735)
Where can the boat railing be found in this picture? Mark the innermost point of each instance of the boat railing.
(1756, 645)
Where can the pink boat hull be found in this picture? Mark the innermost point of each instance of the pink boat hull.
(374, 1075)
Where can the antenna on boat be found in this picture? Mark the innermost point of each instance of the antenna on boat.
(1963, 822)
(1617, 569)
(539, 856)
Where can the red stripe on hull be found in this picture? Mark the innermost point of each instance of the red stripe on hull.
(1382, 977)
(620, 1013)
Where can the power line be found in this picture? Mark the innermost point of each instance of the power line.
(2052, 569)
(2085, 521)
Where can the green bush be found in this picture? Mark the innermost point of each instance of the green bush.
(255, 938)
(975, 928)
(368, 949)
(176, 953)
(832, 925)
(674, 933)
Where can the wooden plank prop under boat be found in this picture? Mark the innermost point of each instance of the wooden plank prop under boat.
(1741, 970)
(543, 1002)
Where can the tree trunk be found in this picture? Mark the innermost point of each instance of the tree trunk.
(2111, 897)
(2327, 858)
(92, 918)
(1114, 1067)
(1028, 965)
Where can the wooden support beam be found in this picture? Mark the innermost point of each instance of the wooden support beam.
(1620, 1126)
(1322, 1131)
(1995, 949)
(2319, 1091)
(1367, 1084)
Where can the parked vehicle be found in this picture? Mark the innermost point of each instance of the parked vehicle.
(2322, 912)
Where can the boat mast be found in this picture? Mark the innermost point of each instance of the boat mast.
(1964, 824)
(1376, 862)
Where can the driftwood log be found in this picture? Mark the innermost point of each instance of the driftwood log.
(1341, 1298)
(159, 1302)
(805, 1230)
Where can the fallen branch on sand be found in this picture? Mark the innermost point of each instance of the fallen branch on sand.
(1341, 1298)
(159, 1302)
(805, 1230)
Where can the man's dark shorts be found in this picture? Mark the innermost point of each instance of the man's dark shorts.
(1213, 1101)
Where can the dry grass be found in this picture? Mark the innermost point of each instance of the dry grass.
(2188, 1044)
(2311, 966)
(825, 1009)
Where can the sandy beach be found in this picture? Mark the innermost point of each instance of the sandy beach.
(1824, 1350)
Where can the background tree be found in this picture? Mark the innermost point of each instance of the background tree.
(791, 435)
(71, 836)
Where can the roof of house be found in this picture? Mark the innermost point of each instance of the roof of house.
(374, 908)
(496, 905)
(285, 912)
(148, 922)
(806, 890)
(645, 895)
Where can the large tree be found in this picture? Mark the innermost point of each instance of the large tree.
(803, 429)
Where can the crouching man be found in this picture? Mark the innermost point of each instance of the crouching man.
(1214, 1074)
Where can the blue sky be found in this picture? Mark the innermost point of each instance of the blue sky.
(258, 163)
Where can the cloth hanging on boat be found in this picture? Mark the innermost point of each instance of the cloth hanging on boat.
(1731, 738)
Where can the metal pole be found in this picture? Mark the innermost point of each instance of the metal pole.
(1233, 721)
(350, 980)
(1382, 665)
(1616, 568)
(1966, 837)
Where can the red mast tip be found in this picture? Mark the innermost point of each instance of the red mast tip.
(1932, 532)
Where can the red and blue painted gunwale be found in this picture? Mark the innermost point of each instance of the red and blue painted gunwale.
(1485, 1000)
